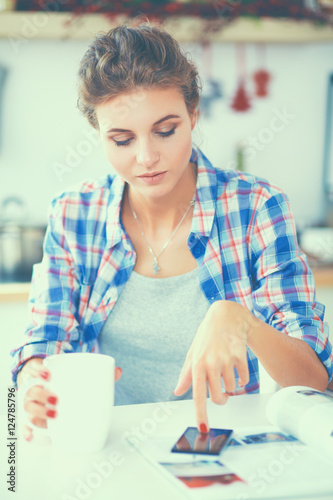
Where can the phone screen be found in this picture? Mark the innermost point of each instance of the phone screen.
(210, 443)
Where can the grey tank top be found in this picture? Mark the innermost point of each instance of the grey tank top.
(149, 333)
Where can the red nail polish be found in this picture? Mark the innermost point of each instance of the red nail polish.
(51, 413)
(53, 400)
(27, 435)
(45, 375)
(203, 428)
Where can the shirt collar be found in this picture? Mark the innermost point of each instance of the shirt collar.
(114, 229)
(204, 208)
(206, 192)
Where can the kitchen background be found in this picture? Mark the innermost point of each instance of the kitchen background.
(265, 110)
(46, 145)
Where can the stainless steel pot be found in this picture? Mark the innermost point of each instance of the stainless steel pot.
(10, 251)
(21, 242)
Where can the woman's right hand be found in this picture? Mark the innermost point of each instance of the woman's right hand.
(37, 397)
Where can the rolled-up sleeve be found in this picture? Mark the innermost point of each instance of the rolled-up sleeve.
(283, 284)
(54, 298)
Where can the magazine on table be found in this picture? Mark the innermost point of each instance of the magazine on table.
(291, 457)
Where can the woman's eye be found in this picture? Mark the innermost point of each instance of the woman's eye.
(122, 143)
(128, 141)
(166, 134)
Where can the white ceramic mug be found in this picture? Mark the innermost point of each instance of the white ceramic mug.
(84, 385)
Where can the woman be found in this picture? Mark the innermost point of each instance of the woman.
(186, 274)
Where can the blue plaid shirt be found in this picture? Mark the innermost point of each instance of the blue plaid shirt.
(242, 237)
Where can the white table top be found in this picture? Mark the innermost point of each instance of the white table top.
(44, 474)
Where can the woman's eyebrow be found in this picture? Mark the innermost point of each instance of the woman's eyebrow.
(166, 118)
(156, 123)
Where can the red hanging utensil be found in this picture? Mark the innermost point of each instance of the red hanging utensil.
(241, 101)
(261, 77)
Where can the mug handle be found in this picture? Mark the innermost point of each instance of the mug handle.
(22, 390)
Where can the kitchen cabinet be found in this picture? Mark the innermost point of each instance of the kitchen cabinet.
(20, 27)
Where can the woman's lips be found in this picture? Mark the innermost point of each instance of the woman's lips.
(153, 178)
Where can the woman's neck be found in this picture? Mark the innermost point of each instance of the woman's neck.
(166, 211)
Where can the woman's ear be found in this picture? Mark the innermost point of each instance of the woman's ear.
(194, 117)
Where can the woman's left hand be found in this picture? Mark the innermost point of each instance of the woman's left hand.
(218, 347)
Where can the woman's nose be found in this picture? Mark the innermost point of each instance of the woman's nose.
(147, 154)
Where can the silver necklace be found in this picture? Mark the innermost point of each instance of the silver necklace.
(156, 267)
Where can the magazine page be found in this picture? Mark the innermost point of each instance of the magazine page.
(259, 462)
(276, 464)
(192, 474)
(306, 414)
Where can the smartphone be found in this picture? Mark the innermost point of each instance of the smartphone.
(210, 443)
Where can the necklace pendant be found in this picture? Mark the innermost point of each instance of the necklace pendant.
(156, 267)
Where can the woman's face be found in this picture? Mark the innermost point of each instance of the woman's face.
(146, 136)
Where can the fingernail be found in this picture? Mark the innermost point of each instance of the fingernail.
(51, 413)
(203, 428)
(53, 400)
(45, 375)
(27, 435)
(175, 390)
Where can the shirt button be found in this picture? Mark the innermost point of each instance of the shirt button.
(197, 251)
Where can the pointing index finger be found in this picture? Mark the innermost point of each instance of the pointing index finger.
(200, 398)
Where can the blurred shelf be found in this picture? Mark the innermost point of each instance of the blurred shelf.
(11, 292)
(14, 292)
(323, 276)
(20, 27)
